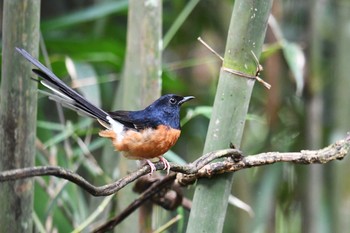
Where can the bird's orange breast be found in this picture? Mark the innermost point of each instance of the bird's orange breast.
(145, 144)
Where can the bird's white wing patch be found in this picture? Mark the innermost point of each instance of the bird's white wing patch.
(117, 127)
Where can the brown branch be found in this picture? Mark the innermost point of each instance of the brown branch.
(335, 151)
(202, 167)
(161, 190)
(112, 188)
(232, 161)
(156, 187)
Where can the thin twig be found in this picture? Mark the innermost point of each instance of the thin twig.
(152, 190)
(168, 224)
(211, 50)
(259, 67)
(335, 151)
(109, 189)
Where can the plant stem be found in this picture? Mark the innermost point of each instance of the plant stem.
(140, 85)
(18, 112)
(246, 34)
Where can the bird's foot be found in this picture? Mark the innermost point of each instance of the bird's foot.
(153, 168)
(166, 164)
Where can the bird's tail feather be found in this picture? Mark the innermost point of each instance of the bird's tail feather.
(64, 94)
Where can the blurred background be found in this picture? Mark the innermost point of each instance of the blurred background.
(305, 59)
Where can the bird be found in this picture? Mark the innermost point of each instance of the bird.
(139, 135)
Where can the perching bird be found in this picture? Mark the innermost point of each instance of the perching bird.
(140, 135)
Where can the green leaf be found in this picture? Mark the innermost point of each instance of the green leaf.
(50, 125)
(295, 58)
(99, 210)
(85, 79)
(269, 50)
(198, 111)
(87, 14)
(178, 22)
(67, 132)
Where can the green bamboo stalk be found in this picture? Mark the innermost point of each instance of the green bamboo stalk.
(313, 220)
(142, 71)
(18, 112)
(246, 34)
(339, 193)
(140, 85)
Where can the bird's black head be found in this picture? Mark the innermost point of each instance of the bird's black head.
(166, 109)
(170, 102)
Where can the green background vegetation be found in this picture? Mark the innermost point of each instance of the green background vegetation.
(306, 108)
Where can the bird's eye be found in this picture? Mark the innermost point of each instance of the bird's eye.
(172, 100)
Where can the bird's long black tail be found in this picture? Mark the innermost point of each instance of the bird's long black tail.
(63, 93)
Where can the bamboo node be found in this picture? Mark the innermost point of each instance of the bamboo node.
(259, 67)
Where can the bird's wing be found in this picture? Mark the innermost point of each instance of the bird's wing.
(128, 119)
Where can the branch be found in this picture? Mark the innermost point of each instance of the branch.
(112, 188)
(335, 151)
(151, 191)
(161, 190)
(202, 167)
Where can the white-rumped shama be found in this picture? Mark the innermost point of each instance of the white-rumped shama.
(140, 135)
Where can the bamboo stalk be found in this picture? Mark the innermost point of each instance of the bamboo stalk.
(246, 34)
(18, 112)
(139, 86)
(339, 191)
(312, 189)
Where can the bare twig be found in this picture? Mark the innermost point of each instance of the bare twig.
(210, 48)
(155, 189)
(170, 197)
(200, 168)
(168, 224)
(109, 189)
(335, 151)
(152, 190)
(259, 67)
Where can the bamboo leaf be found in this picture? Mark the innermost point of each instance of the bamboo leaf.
(296, 61)
(89, 14)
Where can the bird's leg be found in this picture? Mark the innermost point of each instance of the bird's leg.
(153, 168)
(166, 164)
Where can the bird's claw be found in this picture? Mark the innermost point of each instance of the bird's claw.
(153, 168)
(166, 164)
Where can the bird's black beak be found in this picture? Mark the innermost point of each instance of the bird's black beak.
(185, 99)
